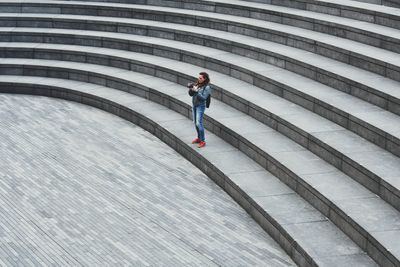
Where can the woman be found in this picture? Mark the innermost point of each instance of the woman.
(200, 91)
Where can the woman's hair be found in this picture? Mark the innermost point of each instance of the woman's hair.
(206, 79)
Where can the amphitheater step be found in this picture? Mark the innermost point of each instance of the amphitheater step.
(365, 10)
(343, 24)
(295, 117)
(309, 40)
(354, 28)
(363, 84)
(380, 2)
(381, 15)
(310, 238)
(377, 90)
(305, 166)
(321, 100)
(365, 162)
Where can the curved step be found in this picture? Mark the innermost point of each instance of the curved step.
(346, 151)
(318, 98)
(381, 2)
(365, 10)
(295, 166)
(360, 55)
(255, 189)
(365, 85)
(335, 24)
(380, 15)
(323, 105)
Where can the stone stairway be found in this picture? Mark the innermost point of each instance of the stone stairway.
(319, 112)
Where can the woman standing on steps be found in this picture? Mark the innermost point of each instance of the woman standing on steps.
(200, 93)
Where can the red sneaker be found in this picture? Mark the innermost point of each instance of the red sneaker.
(196, 141)
(201, 144)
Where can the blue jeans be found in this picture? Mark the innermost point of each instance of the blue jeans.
(198, 113)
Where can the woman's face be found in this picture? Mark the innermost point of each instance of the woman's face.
(201, 79)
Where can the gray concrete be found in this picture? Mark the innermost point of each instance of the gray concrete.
(302, 251)
(297, 124)
(309, 238)
(336, 47)
(362, 84)
(367, 11)
(82, 187)
(277, 12)
(371, 34)
(341, 77)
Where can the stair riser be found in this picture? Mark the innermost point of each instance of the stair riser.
(313, 72)
(390, 3)
(343, 31)
(339, 10)
(359, 173)
(342, 118)
(312, 5)
(310, 45)
(265, 220)
(346, 224)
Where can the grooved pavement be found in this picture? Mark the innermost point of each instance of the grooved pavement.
(79, 186)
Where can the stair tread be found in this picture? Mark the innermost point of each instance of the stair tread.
(343, 3)
(372, 158)
(355, 47)
(366, 6)
(329, 241)
(353, 23)
(302, 162)
(352, 202)
(331, 96)
(370, 79)
(352, 4)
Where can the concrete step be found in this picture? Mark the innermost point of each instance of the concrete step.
(381, 2)
(349, 28)
(250, 70)
(372, 59)
(371, 87)
(335, 24)
(310, 239)
(319, 98)
(338, 107)
(367, 163)
(376, 2)
(365, 10)
(292, 164)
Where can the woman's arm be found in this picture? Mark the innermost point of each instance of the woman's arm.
(203, 94)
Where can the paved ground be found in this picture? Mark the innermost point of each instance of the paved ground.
(79, 186)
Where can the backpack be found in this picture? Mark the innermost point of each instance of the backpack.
(208, 101)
